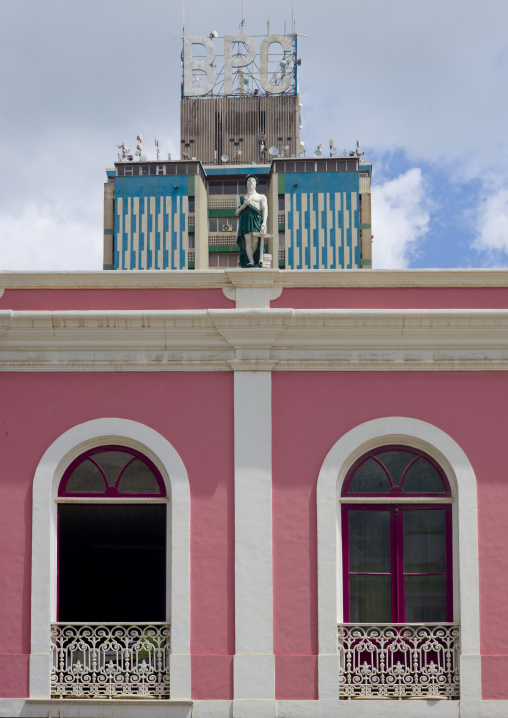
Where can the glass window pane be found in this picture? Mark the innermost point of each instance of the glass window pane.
(369, 478)
(86, 479)
(425, 541)
(138, 479)
(425, 599)
(422, 478)
(369, 541)
(370, 599)
(112, 462)
(396, 462)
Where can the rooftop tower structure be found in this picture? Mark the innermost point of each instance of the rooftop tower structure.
(240, 114)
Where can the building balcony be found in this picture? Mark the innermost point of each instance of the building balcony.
(399, 661)
(106, 660)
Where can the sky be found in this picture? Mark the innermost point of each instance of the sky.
(421, 83)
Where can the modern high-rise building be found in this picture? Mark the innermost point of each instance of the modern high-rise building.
(245, 119)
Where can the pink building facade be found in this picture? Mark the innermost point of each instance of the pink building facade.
(254, 396)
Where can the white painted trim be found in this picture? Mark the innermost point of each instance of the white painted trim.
(77, 708)
(212, 709)
(297, 340)
(47, 478)
(299, 278)
(32, 708)
(450, 456)
(254, 668)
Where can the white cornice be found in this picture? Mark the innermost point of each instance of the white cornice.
(255, 339)
(111, 279)
(231, 279)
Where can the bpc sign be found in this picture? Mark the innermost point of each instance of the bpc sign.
(205, 65)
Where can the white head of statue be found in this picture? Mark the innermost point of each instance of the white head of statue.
(252, 216)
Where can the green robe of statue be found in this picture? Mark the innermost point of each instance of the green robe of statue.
(250, 220)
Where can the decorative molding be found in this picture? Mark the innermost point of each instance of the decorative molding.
(115, 279)
(229, 293)
(234, 278)
(288, 339)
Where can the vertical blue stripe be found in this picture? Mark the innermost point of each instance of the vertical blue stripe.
(357, 225)
(126, 258)
(157, 233)
(149, 230)
(290, 250)
(173, 234)
(183, 227)
(323, 216)
(341, 227)
(142, 238)
(165, 229)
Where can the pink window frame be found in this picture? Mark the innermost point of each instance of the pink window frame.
(396, 510)
(111, 491)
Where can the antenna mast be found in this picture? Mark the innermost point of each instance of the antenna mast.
(243, 19)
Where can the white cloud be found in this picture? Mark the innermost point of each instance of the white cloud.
(400, 218)
(40, 239)
(492, 224)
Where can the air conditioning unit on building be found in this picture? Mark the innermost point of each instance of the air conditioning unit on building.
(227, 228)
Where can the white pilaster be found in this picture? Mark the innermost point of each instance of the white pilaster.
(254, 669)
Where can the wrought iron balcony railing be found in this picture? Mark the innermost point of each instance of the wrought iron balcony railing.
(399, 660)
(110, 660)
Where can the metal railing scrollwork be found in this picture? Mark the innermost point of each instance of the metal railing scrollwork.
(110, 660)
(399, 661)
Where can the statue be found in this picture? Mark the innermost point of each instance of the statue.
(253, 215)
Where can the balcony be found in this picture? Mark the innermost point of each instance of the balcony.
(110, 660)
(399, 661)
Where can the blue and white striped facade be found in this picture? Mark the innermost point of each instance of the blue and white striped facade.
(322, 220)
(151, 222)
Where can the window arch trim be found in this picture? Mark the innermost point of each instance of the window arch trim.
(49, 472)
(442, 448)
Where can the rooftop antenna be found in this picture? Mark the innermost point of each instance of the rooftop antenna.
(243, 20)
(183, 18)
(139, 148)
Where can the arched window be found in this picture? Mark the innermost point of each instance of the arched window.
(397, 539)
(111, 637)
(112, 471)
(112, 538)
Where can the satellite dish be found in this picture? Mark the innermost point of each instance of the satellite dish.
(318, 153)
(333, 151)
(140, 137)
(274, 151)
(286, 147)
(143, 158)
(224, 158)
(300, 148)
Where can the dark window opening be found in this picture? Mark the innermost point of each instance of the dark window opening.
(112, 562)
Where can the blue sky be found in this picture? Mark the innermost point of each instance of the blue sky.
(421, 83)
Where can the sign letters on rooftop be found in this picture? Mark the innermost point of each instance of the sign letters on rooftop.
(244, 71)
